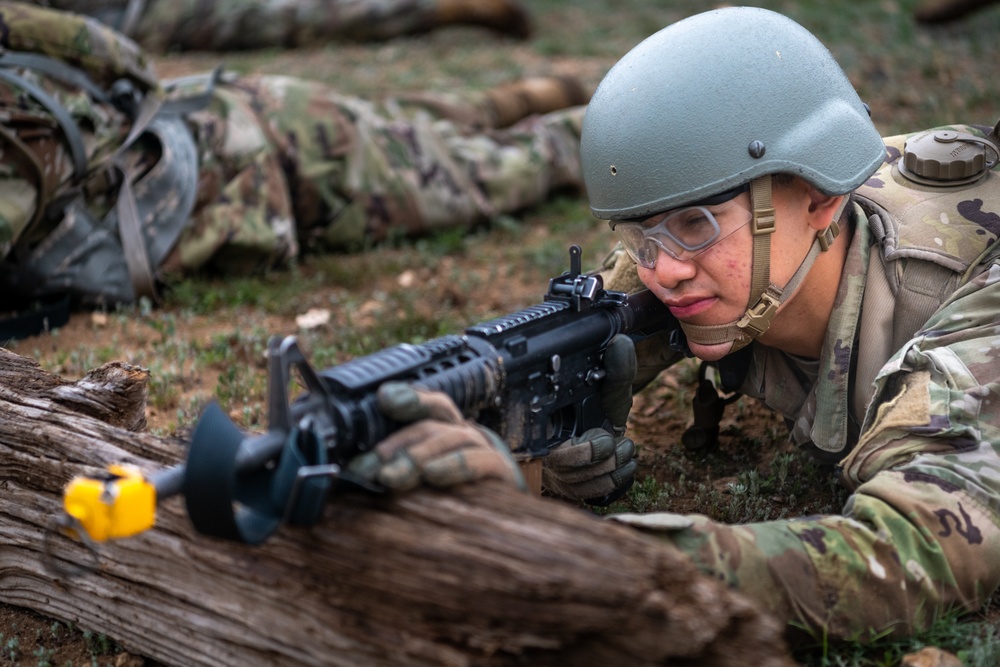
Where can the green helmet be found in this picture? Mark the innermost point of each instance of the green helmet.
(716, 100)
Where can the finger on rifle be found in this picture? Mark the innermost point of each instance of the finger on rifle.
(422, 440)
(440, 454)
(468, 465)
(405, 403)
(583, 450)
(579, 475)
(598, 487)
(582, 487)
(400, 473)
(396, 461)
(440, 406)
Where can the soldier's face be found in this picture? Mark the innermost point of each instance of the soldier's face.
(713, 287)
(710, 288)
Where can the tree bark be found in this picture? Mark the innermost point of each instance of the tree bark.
(483, 575)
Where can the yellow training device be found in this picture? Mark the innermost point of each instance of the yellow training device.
(121, 504)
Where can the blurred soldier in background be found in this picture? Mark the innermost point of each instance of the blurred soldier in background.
(229, 25)
(945, 11)
(112, 179)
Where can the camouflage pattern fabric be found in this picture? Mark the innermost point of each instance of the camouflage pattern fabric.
(285, 163)
(79, 41)
(921, 533)
(224, 25)
(292, 164)
(36, 165)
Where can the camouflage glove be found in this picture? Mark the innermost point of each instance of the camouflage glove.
(438, 447)
(599, 466)
(595, 467)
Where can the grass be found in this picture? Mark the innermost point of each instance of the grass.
(975, 642)
(47, 644)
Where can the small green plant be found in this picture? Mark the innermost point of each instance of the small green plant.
(11, 649)
(99, 643)
(44, 656)
(975, 642)
(648, 495)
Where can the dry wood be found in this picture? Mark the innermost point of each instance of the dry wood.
(484, 575)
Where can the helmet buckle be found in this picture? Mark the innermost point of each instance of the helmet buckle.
(758, 317)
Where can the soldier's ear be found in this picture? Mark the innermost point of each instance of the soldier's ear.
(822, 208)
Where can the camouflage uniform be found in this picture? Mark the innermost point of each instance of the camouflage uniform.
(283, 163)
(37, 158)
(225, 25)
(921, 532)
(349, 171)
(945, 11)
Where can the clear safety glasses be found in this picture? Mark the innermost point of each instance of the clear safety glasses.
(682, 233)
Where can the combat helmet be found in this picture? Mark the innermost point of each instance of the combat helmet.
(715, 102)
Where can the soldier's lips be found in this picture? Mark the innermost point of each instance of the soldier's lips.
(687, 308)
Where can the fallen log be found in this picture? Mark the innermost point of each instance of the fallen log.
(481, 576)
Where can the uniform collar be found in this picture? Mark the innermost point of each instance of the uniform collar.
(831, 395)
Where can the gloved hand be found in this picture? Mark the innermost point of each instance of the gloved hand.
(599, 466)
(438, 447)
(595, 467)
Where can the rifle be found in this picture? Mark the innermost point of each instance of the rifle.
(533, 376)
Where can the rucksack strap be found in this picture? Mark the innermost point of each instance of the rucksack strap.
(71, 132)
(54, 69)
(892, 313)
(923, 287)
(140, 269)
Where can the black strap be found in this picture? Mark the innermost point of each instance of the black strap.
(44, 316)
(54, 69)
(66, 122)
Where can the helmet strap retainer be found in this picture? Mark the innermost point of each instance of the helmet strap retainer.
(758, 316)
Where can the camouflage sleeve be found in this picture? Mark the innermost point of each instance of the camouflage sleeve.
(78, 40)
(228, 25)
(920, 533)
(291, 163)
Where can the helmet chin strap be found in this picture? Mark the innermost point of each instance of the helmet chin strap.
(765, 296)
